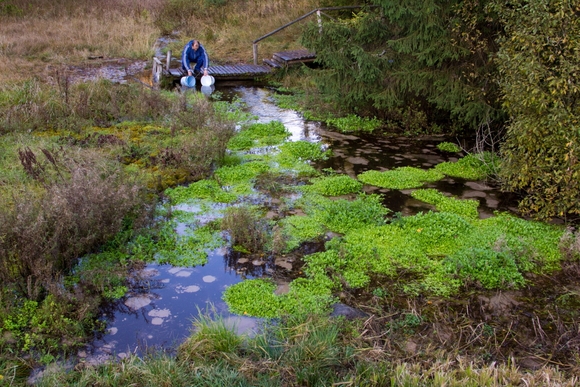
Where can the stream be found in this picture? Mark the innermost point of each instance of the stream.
(158, 312)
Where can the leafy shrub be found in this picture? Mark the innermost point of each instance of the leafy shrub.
(45, 233)
(466, 208)
(448, 147)
(400, 178)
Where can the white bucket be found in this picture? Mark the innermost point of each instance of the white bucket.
(207, 80)
(188, 81)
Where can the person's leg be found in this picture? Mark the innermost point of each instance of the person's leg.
(197, 70)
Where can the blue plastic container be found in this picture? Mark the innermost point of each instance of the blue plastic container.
(188, 81)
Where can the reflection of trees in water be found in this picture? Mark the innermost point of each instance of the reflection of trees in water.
(245, 264)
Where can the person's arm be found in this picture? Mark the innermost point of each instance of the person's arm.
(205, 59)
(185, 59)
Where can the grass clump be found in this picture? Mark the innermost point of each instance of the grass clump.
(400, 178)
(247, 228)
(466, 208)
(448, 147)
(335, 185)
(470, 167)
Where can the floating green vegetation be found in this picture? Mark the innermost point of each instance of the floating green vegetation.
(448, 147)
(334, 185)
(231, 175)
(343, 215)
(400, 178)
(257, 298)
(354, 123)
(434, 250)
(259, 135)
(466, 208)
(471, 167)
(289, 101)
(188, 250)
(302, 151)
(202, 189)
(299, 229)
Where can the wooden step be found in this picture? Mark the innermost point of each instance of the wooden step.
(273, 63)
(293, 57)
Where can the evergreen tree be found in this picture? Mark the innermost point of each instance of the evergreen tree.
(431, 54)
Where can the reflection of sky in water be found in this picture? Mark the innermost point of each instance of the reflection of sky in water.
(259, 102)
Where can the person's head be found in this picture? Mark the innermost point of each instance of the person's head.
(195, 45)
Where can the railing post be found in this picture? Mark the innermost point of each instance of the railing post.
(319, 21)
(255, 49)
(168, 60)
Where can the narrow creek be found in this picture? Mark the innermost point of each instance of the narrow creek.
(159, 310)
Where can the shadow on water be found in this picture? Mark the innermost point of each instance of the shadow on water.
(158, 311)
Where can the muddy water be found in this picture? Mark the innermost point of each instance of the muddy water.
(158, 311)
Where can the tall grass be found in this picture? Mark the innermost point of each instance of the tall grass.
(312, 352)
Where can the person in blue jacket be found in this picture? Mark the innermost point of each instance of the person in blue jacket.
(193, 52)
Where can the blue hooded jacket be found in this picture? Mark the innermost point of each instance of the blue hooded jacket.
(190, 55)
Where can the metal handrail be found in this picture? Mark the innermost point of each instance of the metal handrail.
(318, 11)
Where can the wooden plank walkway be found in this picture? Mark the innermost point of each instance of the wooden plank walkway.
(242, 71)
(231, 72)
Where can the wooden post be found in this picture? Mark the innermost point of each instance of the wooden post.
(168, 60)
(255, 49)
(319, 21)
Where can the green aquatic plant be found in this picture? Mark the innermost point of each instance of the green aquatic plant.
(344, 215)
(253, 297)
(259, 135)
(400, 178)
(187, 250)
(354, 123)
(448, 147)
(202, 189)
(297, 229)
(230, 175)
(303, 151)
(466, 208)
(471, 167)
(334, 185)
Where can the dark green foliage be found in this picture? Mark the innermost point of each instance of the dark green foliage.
(431, 53)
(539, 66)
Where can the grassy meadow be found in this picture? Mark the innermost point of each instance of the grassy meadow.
(84, 168)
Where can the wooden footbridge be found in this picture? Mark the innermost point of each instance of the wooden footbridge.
(236, 72)
(251, 71)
